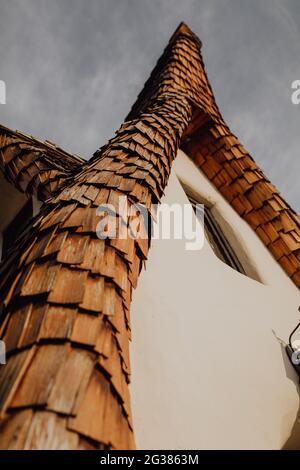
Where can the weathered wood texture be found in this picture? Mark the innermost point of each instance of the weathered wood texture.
(66, 294)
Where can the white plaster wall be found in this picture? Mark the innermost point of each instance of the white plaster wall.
(207, 369)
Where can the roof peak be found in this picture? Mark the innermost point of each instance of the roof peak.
(184, 30)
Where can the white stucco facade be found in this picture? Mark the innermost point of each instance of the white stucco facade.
(208, 369)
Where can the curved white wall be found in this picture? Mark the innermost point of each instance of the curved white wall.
(207, 369)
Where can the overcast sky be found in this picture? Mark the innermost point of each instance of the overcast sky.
(73, 68)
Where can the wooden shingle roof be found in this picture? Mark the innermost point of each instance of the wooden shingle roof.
(33, 166)
(66, 294)
(223, 159)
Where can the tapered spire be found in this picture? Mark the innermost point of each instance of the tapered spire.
(66, 293)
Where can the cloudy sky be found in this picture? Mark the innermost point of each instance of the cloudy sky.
(73, 69)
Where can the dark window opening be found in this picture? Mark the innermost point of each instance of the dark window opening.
(17, 225)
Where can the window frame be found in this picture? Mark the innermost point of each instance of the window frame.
(216, 237)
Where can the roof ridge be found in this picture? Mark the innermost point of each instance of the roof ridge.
(47, 143)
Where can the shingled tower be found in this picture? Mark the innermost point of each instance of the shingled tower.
(66, 294)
